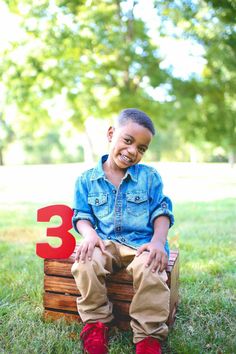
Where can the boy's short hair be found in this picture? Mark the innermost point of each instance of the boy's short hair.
(137, 116)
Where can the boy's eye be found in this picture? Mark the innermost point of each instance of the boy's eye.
(127, 140)
(141, 150)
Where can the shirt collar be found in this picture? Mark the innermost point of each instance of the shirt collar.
(98, 171)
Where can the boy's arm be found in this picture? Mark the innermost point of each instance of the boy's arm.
(84, 222)
(158, 258)
(91, 239)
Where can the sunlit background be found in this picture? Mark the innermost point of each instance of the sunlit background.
(69, 67)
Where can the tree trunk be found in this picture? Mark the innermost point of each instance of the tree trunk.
(1, 157)
(87, 147)
(193, 154)
(232, 157)
(91, 147)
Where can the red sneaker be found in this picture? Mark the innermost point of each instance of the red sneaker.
(148, 345)
(95, 338)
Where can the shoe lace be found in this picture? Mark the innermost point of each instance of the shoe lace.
(94, 336)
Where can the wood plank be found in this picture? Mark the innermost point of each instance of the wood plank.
(71, 259)
(53, 315)
(171, 319)
(68, 286)
(60, 285)
(122, 319)
(60, 302)
(68, 303)
(57, 267)
(174, 286)
(115, 293)
(62, 267)
(56, 315)
(121, 276)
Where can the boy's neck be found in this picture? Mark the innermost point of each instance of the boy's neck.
(113, 173)
(110, 166)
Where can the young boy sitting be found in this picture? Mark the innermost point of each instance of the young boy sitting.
(123, 216)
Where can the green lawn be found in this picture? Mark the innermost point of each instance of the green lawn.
(204, 233)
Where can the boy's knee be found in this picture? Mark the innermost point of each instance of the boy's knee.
(95, 265)
(82, 270)
(138, 269)
(138, 263)
(76, 267)
(82, 267)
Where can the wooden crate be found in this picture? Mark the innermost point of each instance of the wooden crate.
(60, 291)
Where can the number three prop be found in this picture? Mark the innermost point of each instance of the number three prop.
(44, 250)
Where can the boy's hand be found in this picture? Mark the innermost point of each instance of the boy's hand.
(86, 248)
(157, 258)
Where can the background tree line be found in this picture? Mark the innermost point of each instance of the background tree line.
(74, 60)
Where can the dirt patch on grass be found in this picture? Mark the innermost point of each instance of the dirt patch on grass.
(21, 235)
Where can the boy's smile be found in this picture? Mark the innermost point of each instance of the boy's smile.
(128, 144)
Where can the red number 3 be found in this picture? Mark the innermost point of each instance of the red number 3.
(44, 250)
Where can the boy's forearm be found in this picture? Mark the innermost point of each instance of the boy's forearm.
(91, 239)
(161, 228)
(85, 228)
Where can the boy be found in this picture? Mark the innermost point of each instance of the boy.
(124, 217)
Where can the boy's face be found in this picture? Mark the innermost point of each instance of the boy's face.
(128, 144)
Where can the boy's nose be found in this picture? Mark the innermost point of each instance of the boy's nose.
(132, 150)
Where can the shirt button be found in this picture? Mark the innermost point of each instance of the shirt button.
(123, 239)
(96, 201)
(118, 228)
(109, 237)
(137, 198)
(114, 191)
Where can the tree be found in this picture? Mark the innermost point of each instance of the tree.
(97, 58)
(205, 105)
(6, 137)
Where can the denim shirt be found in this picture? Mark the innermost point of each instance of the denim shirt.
(124, 214)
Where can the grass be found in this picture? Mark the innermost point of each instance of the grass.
(204, 232)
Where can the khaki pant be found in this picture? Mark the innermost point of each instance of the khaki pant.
(149, 308)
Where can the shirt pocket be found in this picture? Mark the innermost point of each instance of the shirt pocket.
(137, 203)
(99, 204)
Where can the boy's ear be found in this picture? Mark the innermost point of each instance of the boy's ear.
(110, 133)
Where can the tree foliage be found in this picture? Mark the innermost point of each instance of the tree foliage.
(95, 56)
(77, 59)
(98, 57)
(205, 105)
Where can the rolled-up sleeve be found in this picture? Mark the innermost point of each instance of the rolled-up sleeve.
(82, 210)
(159, 203)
